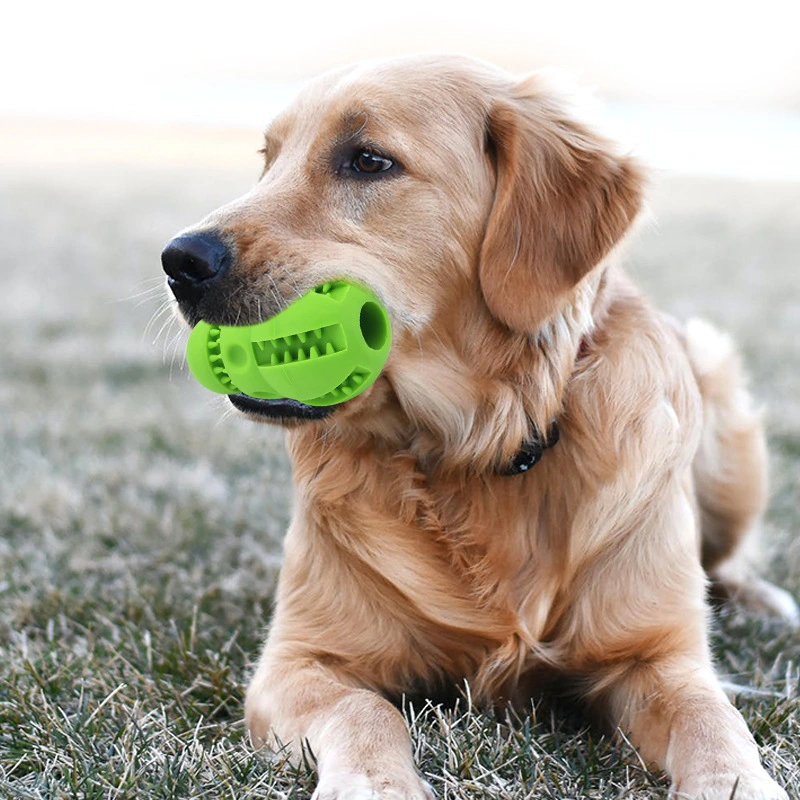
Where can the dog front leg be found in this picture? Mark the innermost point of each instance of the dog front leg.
(677, 715)
(360, 741)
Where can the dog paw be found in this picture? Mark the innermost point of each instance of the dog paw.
(757, 596)
(769, 600)
(729, 787)
(348, 786)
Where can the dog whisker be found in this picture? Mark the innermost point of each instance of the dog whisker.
(292, 280)
(145, 294)
(158, 316)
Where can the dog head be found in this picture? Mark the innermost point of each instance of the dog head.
(469, 201)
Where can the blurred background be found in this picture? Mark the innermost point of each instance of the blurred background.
(699, 86)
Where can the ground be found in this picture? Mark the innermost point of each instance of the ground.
(140, 526)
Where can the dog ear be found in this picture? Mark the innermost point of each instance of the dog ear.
(563, 199)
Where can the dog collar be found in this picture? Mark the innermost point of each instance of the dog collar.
(531, 451)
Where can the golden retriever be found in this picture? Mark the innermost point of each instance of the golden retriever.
(546, 471)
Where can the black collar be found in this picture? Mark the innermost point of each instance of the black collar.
(530, 452)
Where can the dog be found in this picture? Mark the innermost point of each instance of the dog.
(547, 473)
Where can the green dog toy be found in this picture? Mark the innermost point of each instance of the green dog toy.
(326, 347)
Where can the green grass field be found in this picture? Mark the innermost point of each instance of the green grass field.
(141, 524)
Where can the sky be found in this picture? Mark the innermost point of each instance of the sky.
(89, 53)
(236, 63)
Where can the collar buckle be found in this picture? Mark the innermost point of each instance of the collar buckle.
(530, 452)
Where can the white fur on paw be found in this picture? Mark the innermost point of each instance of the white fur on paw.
(762, 597)
(758, 786)
(349, 786)
(782, 604)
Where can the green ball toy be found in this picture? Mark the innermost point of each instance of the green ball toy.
(326, 347)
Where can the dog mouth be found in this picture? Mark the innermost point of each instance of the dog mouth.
(282, 409)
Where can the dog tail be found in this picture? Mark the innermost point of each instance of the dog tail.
(730, 468)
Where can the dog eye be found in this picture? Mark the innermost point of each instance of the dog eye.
(371, 163)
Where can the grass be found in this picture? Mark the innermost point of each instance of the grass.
(140, 533)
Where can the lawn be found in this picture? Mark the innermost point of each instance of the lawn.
(140, 526)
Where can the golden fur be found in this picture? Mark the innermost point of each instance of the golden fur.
(410, 563)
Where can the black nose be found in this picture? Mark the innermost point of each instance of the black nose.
(192, 262)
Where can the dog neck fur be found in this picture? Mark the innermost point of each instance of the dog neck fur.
(457, 407)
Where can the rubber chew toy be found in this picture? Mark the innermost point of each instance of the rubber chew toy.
(326, 347)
